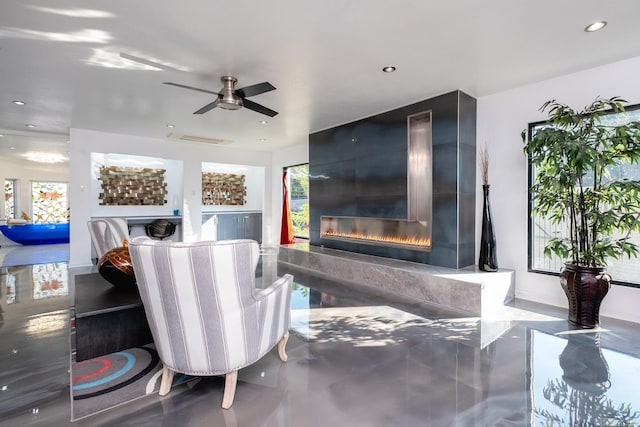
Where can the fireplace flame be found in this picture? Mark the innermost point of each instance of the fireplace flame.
(405, 241)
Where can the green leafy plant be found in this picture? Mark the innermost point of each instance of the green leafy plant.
(300, 219)
(583, 409)
(573, 156)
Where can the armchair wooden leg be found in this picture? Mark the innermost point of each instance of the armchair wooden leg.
(281, 347)
(229, 389)
(167, 380)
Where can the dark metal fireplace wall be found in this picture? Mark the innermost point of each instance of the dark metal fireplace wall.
(413, 232)
(363, 170)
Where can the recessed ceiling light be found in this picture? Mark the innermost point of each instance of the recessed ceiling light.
(19, 102)
(12, 148)
(1, 135)
(389, 69)
(598, 25)
(30, 126)
(263, 122)
(263, 140)
(170, 126)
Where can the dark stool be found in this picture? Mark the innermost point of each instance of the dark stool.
(160, 229)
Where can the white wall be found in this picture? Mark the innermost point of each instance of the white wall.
(288, 156)
(501, 118)
(84, 142)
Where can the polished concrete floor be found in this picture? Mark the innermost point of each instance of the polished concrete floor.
(355, 359)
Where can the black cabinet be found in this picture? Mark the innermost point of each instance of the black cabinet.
(240, 226)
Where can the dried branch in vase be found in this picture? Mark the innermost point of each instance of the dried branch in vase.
(484, 164)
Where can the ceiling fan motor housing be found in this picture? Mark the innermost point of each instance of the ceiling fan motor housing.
(228, 99)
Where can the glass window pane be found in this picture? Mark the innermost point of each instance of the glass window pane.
(299, 199)
(622, 270)
(9, 198)
(49, 202)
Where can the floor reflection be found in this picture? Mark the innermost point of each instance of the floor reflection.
(39, 281)
(587, 385)
(34, 304)
(50, 280)
(355, 359)
(444, 371)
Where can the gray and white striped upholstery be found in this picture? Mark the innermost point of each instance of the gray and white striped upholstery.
(204, 312)
(107, 234)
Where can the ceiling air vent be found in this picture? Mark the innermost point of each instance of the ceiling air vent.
(194, 138)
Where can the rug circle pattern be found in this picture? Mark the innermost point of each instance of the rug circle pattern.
(114, 371)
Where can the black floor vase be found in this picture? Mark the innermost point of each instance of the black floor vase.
(488, 260)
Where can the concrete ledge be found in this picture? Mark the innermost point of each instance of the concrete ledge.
(467, 290)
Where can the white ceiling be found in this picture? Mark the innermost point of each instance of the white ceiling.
(325, 58)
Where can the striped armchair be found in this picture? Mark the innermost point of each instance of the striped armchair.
(205, 315)
(107, 234)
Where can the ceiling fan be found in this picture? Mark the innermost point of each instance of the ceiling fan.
(230, 98)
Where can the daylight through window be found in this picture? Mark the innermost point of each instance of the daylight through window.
(623, 270)
(49, 202)
(299, 199)
(9, 198)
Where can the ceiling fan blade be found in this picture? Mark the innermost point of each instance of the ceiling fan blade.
(210, 106)
(253, 90)
(190, 87)
(258, 108)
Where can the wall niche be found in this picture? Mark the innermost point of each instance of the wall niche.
(224, 189)
(122, 185)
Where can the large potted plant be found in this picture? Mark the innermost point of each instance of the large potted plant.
(573, 155)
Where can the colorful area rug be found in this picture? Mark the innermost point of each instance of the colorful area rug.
(107, 381)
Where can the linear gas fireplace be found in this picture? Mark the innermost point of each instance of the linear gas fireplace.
(414, 235)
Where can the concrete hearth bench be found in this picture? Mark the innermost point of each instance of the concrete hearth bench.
(467, 291)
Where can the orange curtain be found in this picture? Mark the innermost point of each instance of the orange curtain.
(286, 231)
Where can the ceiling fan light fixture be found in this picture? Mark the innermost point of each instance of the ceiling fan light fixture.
(228, 99)
(230, 102)
(598, 25)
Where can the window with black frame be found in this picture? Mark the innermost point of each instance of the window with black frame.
(624, 270)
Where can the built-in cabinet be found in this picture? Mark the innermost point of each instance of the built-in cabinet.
(236, 225)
